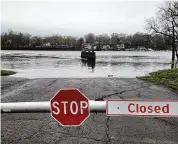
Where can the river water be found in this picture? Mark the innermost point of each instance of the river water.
(65, 64)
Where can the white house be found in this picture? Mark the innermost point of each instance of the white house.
(48, 44)
(120, 46)
(106, 47)
(141, 48)
(87, 46)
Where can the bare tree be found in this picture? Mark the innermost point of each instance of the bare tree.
(103, 38)
(90, 38)
(166, 23)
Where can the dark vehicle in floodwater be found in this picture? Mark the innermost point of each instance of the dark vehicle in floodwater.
(87, 52)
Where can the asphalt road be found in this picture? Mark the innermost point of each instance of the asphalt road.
(98, 129)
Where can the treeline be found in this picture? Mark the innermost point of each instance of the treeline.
(156, 42)
(18, 40)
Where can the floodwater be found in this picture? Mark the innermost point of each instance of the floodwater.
(65, 64)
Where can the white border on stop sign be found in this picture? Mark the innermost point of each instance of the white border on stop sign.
(71, 125)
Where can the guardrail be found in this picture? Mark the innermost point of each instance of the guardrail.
(44, 107)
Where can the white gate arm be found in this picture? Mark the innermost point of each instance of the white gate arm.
(44, 107)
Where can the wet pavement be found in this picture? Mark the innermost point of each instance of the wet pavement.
(98, 128)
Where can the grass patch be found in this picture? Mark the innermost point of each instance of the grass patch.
(168, 78)
(7, 72)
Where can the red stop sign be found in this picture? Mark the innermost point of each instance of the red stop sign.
(70, 107)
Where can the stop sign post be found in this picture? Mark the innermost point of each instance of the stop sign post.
(70, 107)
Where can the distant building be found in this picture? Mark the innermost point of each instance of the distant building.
(48, 44)
(120, 46)
(87, 46)
(95, 47)
(149, 49)
(106, 47)
(141, 48)
(130, 49)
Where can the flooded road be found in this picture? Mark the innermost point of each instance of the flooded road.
(67, 64)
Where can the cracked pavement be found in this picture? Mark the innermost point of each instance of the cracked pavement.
(98, 128)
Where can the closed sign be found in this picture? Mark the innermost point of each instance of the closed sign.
(142, 108)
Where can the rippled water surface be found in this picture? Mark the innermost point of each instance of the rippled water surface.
(53, 64)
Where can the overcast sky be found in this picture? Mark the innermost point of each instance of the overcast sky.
(76, 18)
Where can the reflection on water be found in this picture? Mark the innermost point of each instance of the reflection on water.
(88, 63)
(40, 64)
